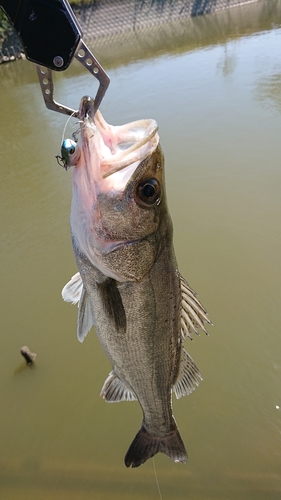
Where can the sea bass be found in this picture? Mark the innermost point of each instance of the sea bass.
(128, 285)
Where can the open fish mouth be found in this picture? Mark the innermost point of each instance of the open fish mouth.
(116, 146)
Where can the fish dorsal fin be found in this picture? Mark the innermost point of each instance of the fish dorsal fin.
(189, 376)
(85, 316)
(114, 390)
(193, 314)
(71, 292)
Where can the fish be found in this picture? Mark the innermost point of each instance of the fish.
(128, 285)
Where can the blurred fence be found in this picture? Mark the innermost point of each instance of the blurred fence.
(105, 19)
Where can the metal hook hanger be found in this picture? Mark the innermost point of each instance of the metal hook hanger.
(86, 58)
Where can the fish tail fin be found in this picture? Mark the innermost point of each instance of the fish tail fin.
(145, 446)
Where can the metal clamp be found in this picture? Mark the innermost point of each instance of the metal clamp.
(86, 58)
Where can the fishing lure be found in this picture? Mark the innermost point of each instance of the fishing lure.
(70, 154)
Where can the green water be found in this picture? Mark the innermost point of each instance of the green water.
(216, 95)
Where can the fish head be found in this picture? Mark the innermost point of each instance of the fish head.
(119, 211)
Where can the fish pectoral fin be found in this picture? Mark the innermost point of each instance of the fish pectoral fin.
(193, 314)
(114, 390)
(72, 291)
(85, 316)
(189, 376)
(112, 303)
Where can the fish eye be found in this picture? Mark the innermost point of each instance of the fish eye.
(148, 191)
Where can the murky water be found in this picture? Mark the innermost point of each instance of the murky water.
(216, 95)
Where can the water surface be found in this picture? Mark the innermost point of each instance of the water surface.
(217, 99)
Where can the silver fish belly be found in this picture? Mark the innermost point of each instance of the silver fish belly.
(128, 285)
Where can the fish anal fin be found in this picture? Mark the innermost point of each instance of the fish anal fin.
(85, 316)
(189, 376)
(145, 446)
(114, 390)
(72, 291)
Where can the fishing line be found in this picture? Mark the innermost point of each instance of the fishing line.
(64, 129)
(156, 479)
